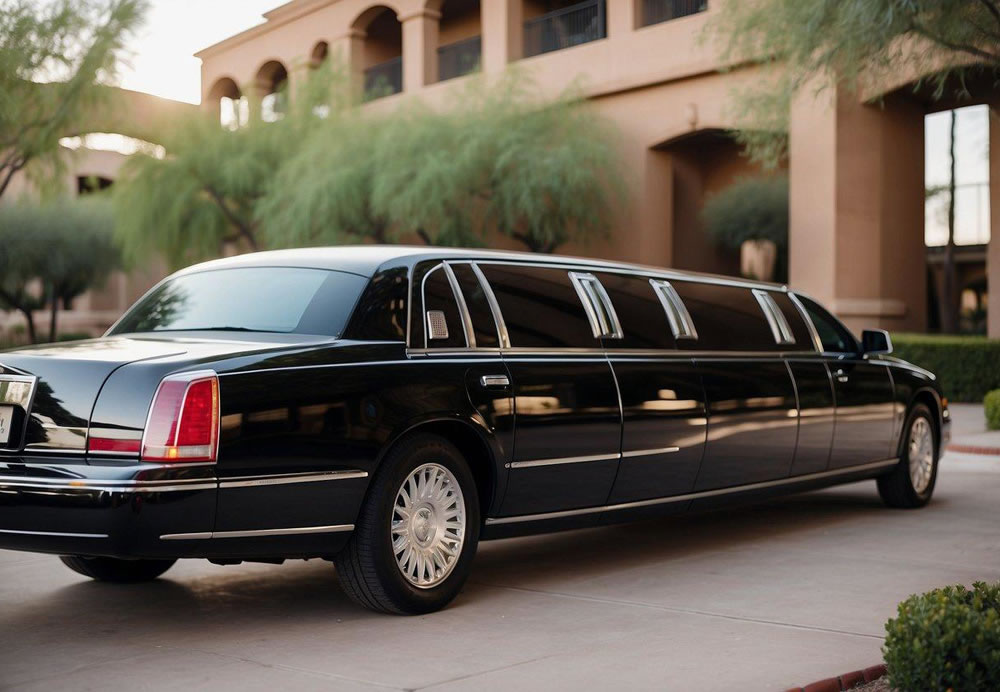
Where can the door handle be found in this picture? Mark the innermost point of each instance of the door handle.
(841, 375)
(494, 381)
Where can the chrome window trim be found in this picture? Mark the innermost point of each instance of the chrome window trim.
(780, 329)
(494, 307)
(598, 327)
(678, 316)
(463, 309)
(253, 533)
(847, 471)
(459, 303)
(604, 323)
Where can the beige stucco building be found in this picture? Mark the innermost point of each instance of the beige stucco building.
(856, 170)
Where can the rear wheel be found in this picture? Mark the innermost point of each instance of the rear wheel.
(415, 538)
(117, 571)
(911, 482)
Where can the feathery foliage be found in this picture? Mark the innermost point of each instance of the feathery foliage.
(53, 56)
(52, 253)
(848, 43)
(499, 159)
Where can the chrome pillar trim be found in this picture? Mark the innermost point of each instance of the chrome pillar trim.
(494, 307)
(817, 343)
(463, 308)
(678, 316)
(259, 481)
(780, 330)
(252, 533)
(650, 452)
(563, 460)
(846, 472)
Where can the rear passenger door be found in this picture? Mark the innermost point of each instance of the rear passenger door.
(749, 391)
(865, 415)
(663, 402)
(567, 416)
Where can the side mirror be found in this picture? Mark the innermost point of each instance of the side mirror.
(876, 341)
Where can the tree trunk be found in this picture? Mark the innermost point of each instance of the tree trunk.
(30, 320)
(948, 303)
(53, 317)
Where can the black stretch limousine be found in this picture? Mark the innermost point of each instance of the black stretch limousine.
(387, 407)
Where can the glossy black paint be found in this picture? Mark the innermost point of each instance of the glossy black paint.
(295, 404)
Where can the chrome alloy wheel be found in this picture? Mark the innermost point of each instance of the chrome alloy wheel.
(921, 454)
(428, 525)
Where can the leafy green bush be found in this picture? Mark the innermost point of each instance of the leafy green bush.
(946, 639)
(991, 404)
(968, 366)
(751, 209)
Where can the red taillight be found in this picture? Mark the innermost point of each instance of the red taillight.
(183, 423)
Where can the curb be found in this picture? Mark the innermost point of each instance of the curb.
(846, 681)
(970, 449)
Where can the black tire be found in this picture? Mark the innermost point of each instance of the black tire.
(367, 566)
(896, 487)
(117, 571)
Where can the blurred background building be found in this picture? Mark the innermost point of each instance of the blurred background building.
(865, 233)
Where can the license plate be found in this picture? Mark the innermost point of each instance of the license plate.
(6, 416)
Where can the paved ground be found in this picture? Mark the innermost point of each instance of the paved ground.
(761, 598)
(969, 430)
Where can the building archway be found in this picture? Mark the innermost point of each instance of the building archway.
(228, 103)
(319, 54)
(272, 90)
(381, 55)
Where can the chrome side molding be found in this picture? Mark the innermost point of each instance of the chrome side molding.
(846, 471)
(253, 533)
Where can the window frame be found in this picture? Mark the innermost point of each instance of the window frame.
(780, 329)
(604, 323)
(678, 316)
(460, 306)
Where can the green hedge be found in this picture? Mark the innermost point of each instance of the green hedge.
(991, 405)
(968, 366)
(946, 639)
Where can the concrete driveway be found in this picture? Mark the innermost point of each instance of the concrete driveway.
(760, 598)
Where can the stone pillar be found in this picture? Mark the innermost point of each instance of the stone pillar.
(348, 51)
(856, 234)
(993, 249)
(503, 33)
(420, 44)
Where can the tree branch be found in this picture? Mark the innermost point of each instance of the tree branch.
(920, 30)
(243, 229)
(992, 8)
(424, 236)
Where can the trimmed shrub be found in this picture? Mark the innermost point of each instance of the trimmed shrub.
(968, 366)
(991, 404)
(946, 639)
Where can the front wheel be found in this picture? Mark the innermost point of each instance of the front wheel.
(415, 538)
(117, 571)
(910, 484)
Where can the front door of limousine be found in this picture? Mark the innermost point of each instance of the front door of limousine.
(863, 392)
(567, 416)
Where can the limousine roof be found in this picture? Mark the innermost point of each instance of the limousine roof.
(366, 260)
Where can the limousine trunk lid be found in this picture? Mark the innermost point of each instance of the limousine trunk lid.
(47, 392)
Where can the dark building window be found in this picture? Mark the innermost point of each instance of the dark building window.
(564, 25)
(656, 11)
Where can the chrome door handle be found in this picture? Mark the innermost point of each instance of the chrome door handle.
(494, 381)
(841, 375)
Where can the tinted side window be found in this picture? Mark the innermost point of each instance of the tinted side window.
(803, 340)
(644, 322)
(835, 336)
(728, 318)
(441, 308)
(381, 311)
(480, 313)
(540, 307)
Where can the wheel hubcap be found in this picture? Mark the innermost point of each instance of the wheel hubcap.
(921, 454)
(428, 525)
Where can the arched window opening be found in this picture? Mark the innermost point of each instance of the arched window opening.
(231, 106)
(382, 52)
(272, 85)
